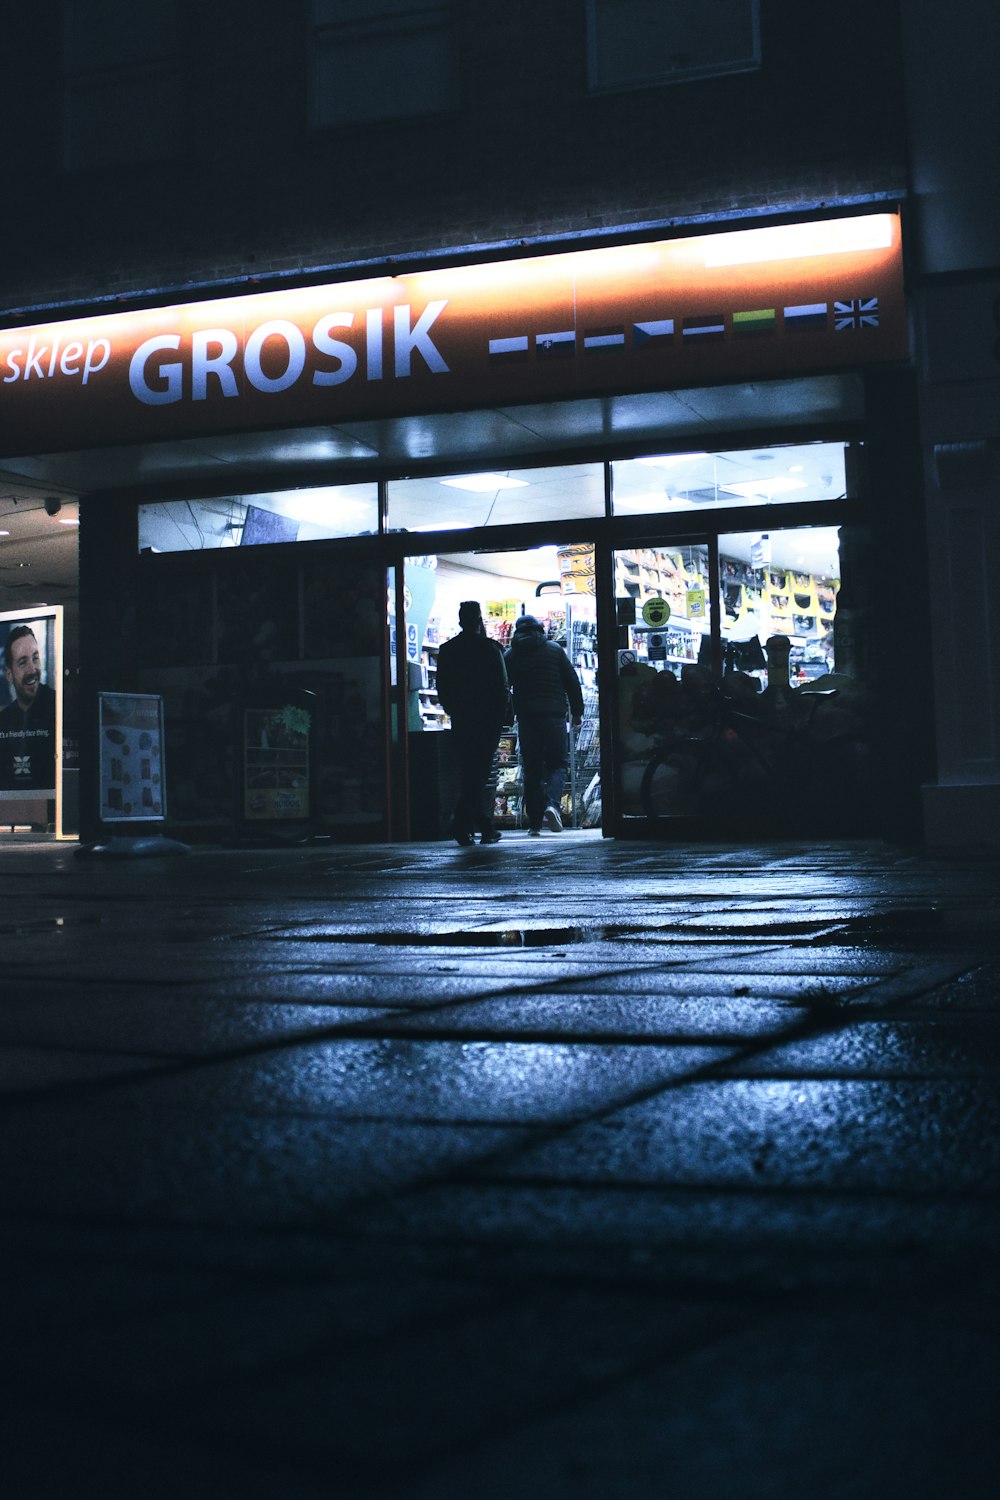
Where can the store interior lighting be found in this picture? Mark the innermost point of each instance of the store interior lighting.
(669, 460)
(484, 483)
(316, 506)
(763, 489)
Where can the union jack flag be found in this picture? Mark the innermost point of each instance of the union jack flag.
(861, 313)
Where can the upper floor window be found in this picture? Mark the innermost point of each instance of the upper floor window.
(637, 43)
(121, 66)
(387, 60)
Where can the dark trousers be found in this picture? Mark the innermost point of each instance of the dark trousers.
(474, 747)
(542, 744)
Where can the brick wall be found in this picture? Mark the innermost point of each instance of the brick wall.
(529, 154)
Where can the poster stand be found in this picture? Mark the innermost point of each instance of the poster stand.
(31, 716)
(133, 778)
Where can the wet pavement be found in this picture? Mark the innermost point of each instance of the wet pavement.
(560, 1168)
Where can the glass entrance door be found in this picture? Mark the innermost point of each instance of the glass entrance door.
(664, 603)
(555, 584)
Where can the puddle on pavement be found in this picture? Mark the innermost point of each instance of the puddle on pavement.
(54, 924)
(871, 928)
(543, 937)
(709, 927)
(506, 937)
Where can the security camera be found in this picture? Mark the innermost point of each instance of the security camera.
(52, 506)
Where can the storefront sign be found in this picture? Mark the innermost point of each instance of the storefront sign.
(133, 773)
(741, 305)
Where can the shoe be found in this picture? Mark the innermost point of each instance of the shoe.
(553, 821)
(464, 840)
(491, 836)
(534, 833)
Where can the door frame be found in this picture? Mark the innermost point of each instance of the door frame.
(607, 535)
(526, 537)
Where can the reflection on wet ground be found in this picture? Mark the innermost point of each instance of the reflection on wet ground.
(618, 1167)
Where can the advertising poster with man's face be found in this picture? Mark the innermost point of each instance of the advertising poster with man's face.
(29, 706)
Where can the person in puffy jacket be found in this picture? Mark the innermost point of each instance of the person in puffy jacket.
(472, 690)
(546, 689)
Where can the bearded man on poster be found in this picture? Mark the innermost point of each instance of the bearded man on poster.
(28, 723)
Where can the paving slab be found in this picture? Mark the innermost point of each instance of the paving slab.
(564, 1168)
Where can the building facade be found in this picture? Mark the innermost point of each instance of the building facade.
(613, 306)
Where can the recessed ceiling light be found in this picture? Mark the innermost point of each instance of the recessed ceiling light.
(64, 521)
(323, 508)
(763, 488)
(667, 460)
(656, 500)
(436, 526)
(482, 483)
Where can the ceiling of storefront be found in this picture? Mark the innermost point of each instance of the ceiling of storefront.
(37, 547)
(38, 556)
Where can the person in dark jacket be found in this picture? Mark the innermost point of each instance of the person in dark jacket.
(544, 685)
(472, 689)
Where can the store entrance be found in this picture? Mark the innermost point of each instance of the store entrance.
(556, 585)
(740, 705)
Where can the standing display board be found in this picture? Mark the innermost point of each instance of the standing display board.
(132, 762)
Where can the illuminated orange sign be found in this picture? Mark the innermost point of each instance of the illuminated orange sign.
(734, 306)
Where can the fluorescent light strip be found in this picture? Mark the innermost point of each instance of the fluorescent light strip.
(744, 247)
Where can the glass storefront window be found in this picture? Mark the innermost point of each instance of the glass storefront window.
(306, 515)
(664, 604)
(763, 719)
(782, 583)
(670, 482)
(511, 497)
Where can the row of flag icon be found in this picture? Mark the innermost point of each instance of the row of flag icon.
(858, 313)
